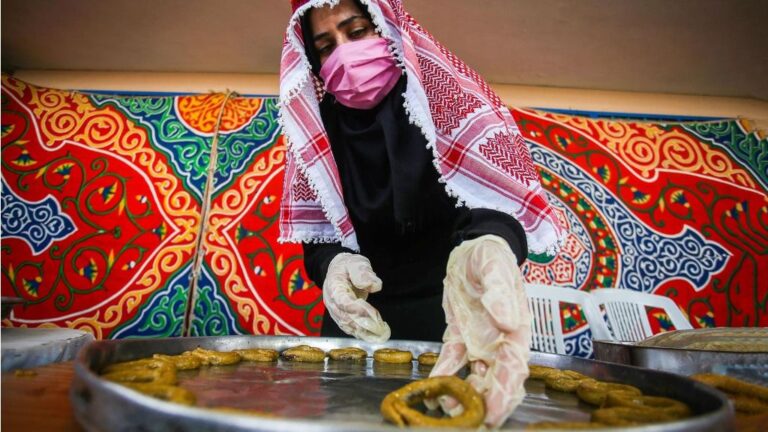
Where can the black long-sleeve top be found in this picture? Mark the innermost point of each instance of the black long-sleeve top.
(382, 158)
(415, 264)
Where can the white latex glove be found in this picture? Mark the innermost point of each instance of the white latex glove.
(489, 325)
(348, 282)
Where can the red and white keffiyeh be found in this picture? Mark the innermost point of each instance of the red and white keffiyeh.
(478, 151)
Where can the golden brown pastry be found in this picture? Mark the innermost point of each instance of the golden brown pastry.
(304, 353)
(565, 380)
(182, 362)
(389, 355)
(747, 398)
(428, 358)
(621, 404)
(215, 358)
(629, 416)
(594, 392)
(348, 354)
(748, 405)
(671, 407)
(732, 385)
(540, 372)
(258, 354)
(395, 406)
(142, 371)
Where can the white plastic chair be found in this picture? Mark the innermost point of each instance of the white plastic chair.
(546, 323)
(627, 317)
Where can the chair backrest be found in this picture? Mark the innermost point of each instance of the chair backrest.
(547, 327)
(627, 316)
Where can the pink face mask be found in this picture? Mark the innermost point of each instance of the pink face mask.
(360, 73)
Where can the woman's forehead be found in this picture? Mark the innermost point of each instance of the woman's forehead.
(342, 10)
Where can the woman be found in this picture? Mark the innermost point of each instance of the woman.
(411, 190)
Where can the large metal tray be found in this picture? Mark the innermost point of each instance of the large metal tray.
(752, 367)
(334, 396)
(31, 347)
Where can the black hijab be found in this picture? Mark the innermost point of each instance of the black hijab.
(383, 160)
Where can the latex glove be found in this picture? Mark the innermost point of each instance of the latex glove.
(348, 282)
(489, 325)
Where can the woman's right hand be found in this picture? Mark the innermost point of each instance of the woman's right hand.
(348, 282)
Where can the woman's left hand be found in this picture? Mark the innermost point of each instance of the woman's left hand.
(348, 282)
(488, 325)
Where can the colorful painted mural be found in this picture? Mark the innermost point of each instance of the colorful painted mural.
(156, 216)
(103, 199)
(676, 209)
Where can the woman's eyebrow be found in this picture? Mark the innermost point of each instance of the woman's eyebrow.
(348, 21)
(338, 26)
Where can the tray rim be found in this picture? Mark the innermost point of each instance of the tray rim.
(85, 376)
(634, 345)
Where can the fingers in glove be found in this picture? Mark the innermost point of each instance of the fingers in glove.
(374, 331)
(505, 381)
(342, 298)
(453, 354)
(353, 315)
(362, 276)
(476, 379)
(363, 321)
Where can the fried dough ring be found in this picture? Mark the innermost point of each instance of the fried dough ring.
(747, 398)
(215, 358)
(743, 404)
(540, 372)
(182, 362)
(732, 385)
(390, 355)
(258, 354)
(165, 392)
(155, 371)
(132, 364)
(671, 407)
(428, 358)
(565, 380)
(304, 353)
(595, 392)
(628, 416)
(348, 354)
(395, 406)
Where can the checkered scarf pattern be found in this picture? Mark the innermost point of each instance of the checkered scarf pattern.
(477, 148)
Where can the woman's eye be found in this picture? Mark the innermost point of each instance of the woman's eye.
(358, 32)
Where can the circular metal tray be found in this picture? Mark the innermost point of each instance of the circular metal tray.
(334, 396)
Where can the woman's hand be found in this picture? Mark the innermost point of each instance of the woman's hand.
(488, 325)
(348, 282)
